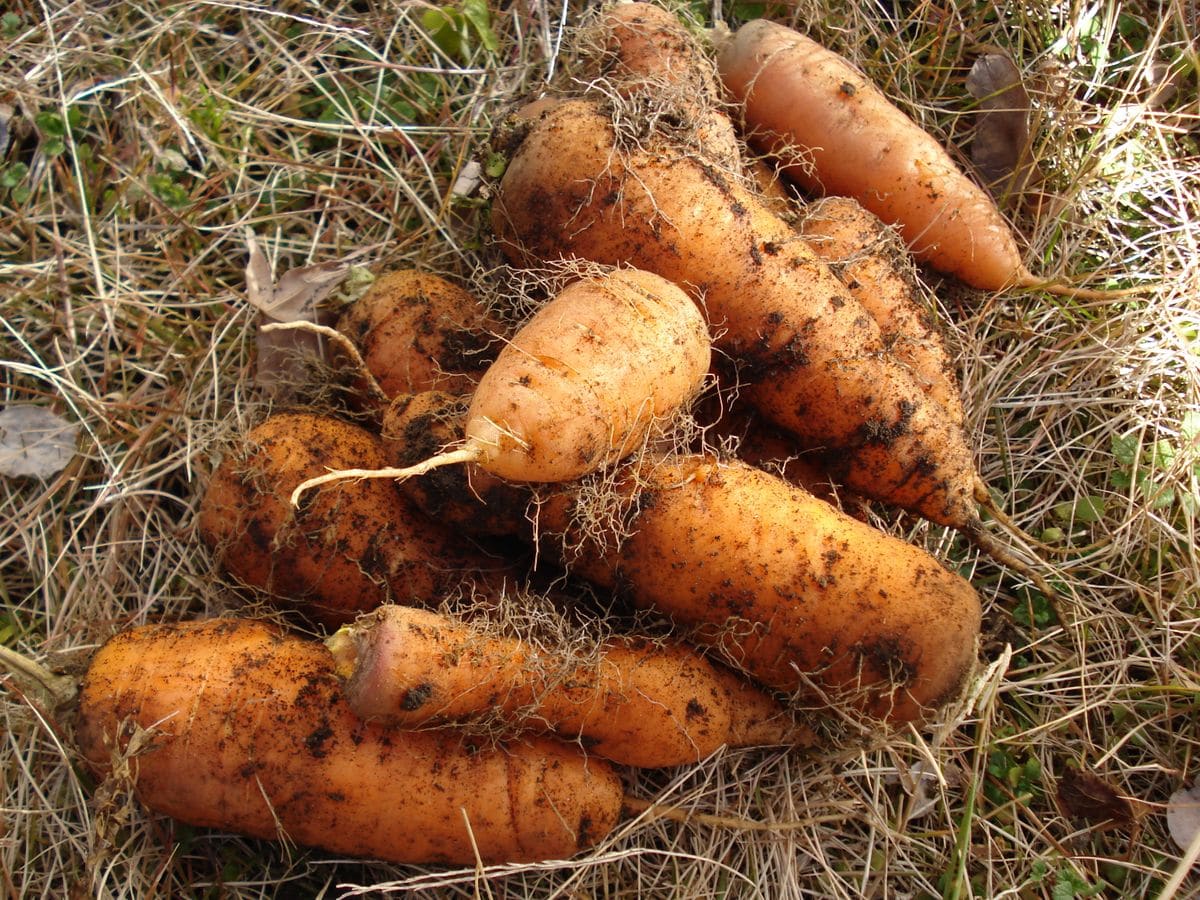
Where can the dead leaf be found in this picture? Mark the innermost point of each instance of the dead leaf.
(260, 281)
(285, 357)
(468, 180)
(1001, 149)
(34, 442)
(1183, 815)
(1082, 795)
(920, 780)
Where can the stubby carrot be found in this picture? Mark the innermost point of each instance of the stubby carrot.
(418, 331)
(635, 702)
(350, 547)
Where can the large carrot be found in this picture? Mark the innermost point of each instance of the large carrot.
(635, 702)
(233, 724)
(801, 596)
(814, 358)
(837, 133)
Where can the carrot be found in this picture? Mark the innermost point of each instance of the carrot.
(866, 255)
(648, 54)
(837, 133)
(418, 331)
(814, 358)
(233, 724)
(795, 593)
(582, 384)
(634, 702)
(346, 550)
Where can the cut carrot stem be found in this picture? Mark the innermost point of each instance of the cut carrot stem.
(60, 689)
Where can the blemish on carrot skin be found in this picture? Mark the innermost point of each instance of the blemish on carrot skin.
(316, 741)
(416, 697)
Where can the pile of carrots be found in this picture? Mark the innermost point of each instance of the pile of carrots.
(786, 338)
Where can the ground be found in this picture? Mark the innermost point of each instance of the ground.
(140, 145)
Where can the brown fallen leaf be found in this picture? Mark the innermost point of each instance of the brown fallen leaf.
(1002, 150)
(1087, 797)
(284, 358)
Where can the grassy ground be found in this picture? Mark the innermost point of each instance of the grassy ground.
(145, 140)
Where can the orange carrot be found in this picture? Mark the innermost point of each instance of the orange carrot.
(634, 702)
(836, 133)
(796, 593)
(351, 547)
(418, 331)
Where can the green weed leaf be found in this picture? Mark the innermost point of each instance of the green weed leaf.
(1125, 449)
(1087, 510)
(13, 175)
(477, 13)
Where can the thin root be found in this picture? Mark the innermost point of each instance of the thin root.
(654, 810)
(469, 453)
(1004, 555)
(1063, 289)
(375, 393)
(984, 498)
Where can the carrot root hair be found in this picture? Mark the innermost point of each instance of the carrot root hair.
(1029, 281)
(466, 454)
(985, 499)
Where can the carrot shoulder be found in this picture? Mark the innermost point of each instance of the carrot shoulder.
(837, 133)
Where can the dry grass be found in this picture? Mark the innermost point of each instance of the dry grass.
(335, 128)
